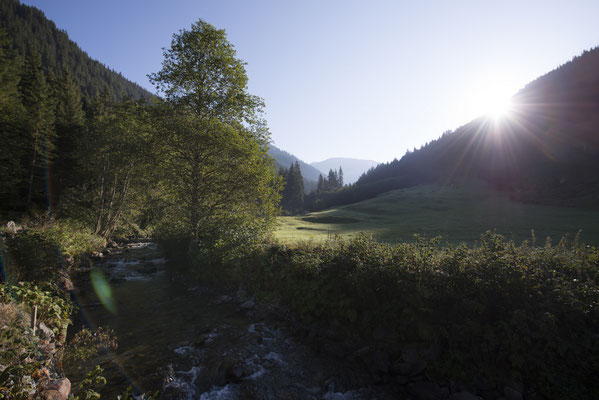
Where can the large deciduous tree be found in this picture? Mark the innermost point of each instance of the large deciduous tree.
(220, 183)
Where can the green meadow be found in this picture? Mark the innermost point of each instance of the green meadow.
(458, 213)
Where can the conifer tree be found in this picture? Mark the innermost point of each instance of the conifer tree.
(13, 176)
(69, 126)
(35, 96)
(321, 187)
(293, 193)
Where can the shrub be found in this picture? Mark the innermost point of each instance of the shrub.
(38, 253)
(501, 312)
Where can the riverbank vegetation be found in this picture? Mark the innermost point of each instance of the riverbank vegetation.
(486, 316)
(35, 302)
(77, 172)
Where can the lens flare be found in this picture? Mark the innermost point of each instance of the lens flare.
(103, 290)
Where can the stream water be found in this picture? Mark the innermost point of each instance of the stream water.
(193, 341)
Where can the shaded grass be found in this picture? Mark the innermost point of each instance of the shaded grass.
(458, 213)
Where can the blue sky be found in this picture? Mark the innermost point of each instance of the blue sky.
(342, 78)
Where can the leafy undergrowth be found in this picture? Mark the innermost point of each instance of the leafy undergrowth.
(499, 312)
(35, 308)
(23, 354)
(38, 252)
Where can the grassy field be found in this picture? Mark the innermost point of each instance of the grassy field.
(459, 214)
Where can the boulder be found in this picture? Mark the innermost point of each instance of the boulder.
(333, 348)
(58, 389)
(424, 390)
(48, 349)
(411, 355)
(52, 395)
(418, 367)
(512, 393)
(402, 368)
(45, 331)
(464, 396)
(248, 305)
(42, 373)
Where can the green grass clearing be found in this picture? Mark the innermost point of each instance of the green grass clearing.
(458, 213)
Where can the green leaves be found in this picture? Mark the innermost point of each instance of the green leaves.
(216, 179)
(499, 311)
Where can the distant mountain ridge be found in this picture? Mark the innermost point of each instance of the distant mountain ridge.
(284, 159)
(28, 28)
(546, 151)
(353, 168)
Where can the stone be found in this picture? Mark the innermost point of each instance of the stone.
(48, 349)
(465, 395)
(511, 393)
(424, 390)
(360, 353)
(433, 352)
(535, 396)
(248, 305)
(236, 372)
(60, 386)
(45, 331)
(418, 367)
(52, 395)
(379, 333)
(410, 355)
(402, 368)
(256, 338)
(12, 227)
(380, 362)
(402, 380)
(333, 349)
(42, 373)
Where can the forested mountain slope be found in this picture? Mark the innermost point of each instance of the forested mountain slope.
(27, 28)
(284, 159)
(545, 151)
(352, 168)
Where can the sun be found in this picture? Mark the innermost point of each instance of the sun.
(491, 98)
(497, 106)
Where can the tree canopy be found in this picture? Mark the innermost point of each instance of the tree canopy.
(212, 141)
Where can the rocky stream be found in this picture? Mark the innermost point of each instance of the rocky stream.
(190, 340)
(194, 341)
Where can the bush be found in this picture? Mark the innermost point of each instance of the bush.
(38, 253)
(20, 349)
(500, 312)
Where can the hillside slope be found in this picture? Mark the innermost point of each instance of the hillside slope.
(284, 159)
(460, 212)
(353, 168)
(546, 151)
(28, 28)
